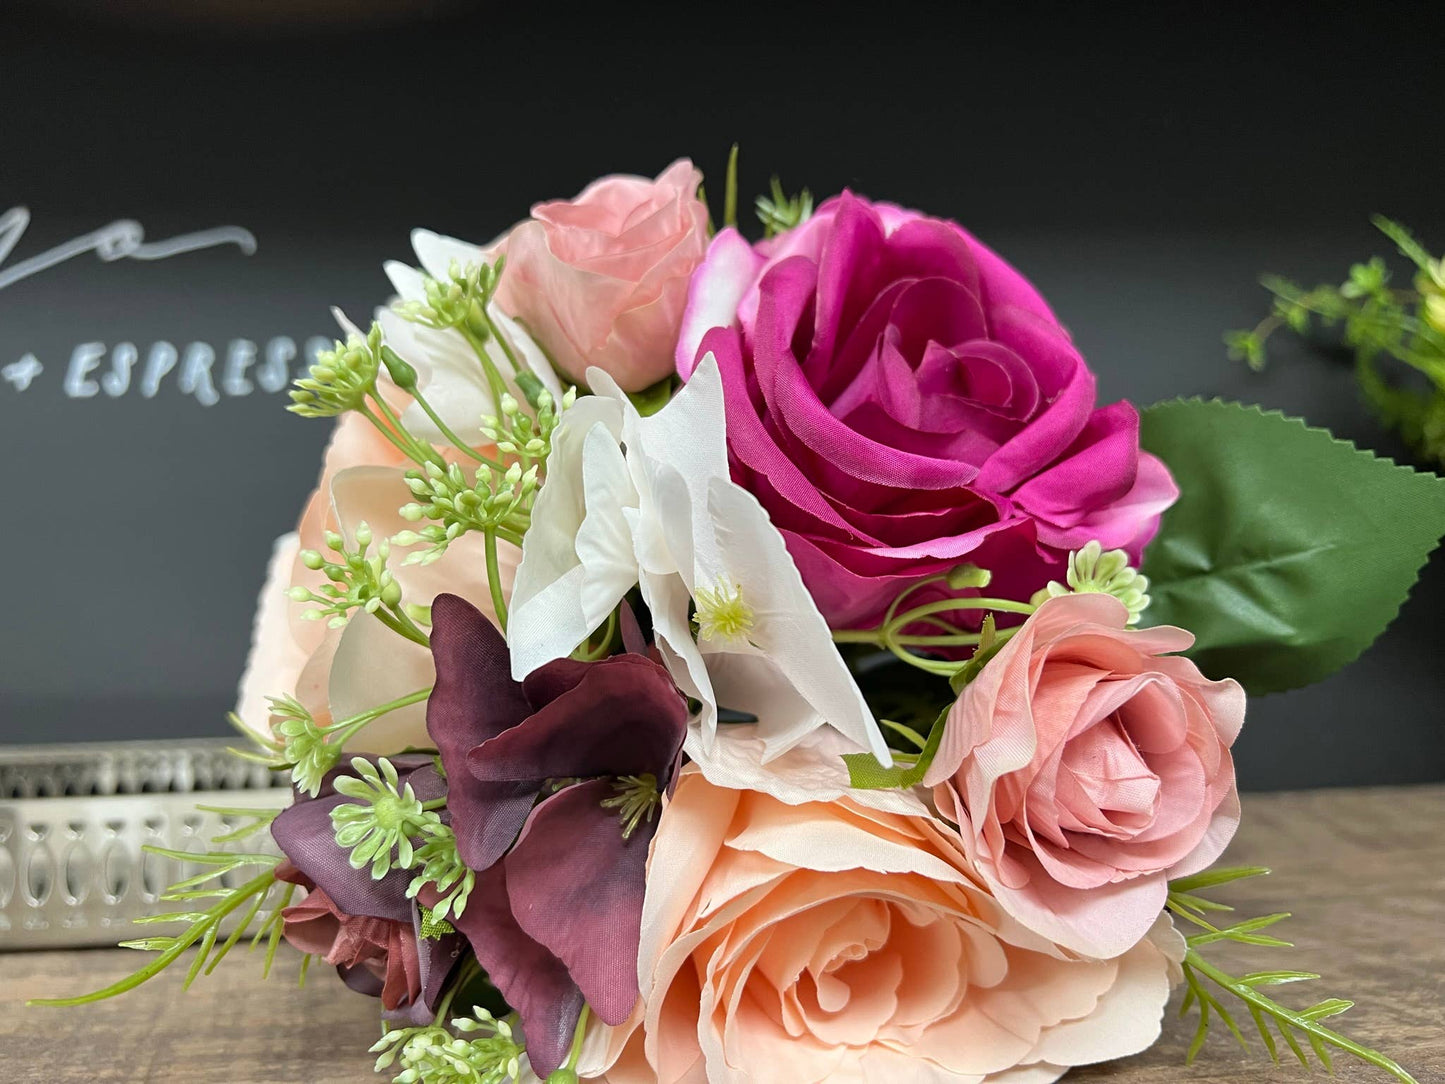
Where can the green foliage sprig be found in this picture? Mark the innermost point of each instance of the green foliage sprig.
(496, 502)
(780, 212)
(258, 900)
(1187, 902)
(304, 747)
(1377, 321)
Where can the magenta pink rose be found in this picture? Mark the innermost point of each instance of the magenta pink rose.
(1085, 767)
(602, 279)
(900, 400)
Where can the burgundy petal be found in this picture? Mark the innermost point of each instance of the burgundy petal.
(547, 683)
(304, 833)
(624, 717)
(576, 886)
(438, 958)
(362, 979)
(534, 982)
(475, 699)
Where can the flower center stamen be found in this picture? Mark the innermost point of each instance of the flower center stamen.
(722, 614)
(636, 799)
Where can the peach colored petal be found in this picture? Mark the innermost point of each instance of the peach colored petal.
(276, 659)
(833, 941)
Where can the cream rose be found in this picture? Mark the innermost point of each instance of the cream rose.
(336, 673)
(602, 279)
(829, 941)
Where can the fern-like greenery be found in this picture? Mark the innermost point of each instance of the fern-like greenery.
(258, 902)
(1378, 322)
(1299, 1028)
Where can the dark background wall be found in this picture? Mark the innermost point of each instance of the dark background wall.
(1142, 166)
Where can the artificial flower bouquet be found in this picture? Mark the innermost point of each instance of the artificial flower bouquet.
(729, 660)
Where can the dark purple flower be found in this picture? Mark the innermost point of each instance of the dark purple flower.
(305, 834)
(553, 787)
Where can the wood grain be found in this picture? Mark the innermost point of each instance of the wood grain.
(1363, 871)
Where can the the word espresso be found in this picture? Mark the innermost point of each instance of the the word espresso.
(198, 369)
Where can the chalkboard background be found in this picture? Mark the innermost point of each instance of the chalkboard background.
(1142, 167)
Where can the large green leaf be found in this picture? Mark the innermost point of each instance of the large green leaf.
(1289, 551)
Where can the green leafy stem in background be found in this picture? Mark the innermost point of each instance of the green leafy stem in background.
(1376, 320)
(1201, 977)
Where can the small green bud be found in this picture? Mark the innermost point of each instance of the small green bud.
(402, 374)
(966, 576)
(562, 1076)
(298, 594)
(312, 560)
(532, 388)
(363, 534)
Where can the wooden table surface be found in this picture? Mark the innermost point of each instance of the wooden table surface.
(1362, 870)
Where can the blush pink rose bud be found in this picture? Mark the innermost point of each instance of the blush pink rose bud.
(602, 279)
(1085, 766)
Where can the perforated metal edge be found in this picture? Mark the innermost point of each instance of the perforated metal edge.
(74, 819)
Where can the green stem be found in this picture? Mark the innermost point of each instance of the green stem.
(422, 451)
(406, 448)
(578, 1037)
(494, 378)
(469, 970)
(1256, 1000)
(506, 535)
(503, 343)
(446, 431)
(1002, 605)
(344, 730)
(402, 625)
(906, 731)
(494, 578)
(588, 653)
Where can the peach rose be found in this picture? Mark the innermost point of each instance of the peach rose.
(1086, 767)
(831, 941)
(602, 279)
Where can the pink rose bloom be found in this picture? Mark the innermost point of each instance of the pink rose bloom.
(602, 279)
(833, 942)
(900, 400)
(1086, 767)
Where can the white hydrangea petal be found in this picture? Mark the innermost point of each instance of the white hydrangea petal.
(437, 252)
(405, 280)
(578, 553)
(788, 628)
